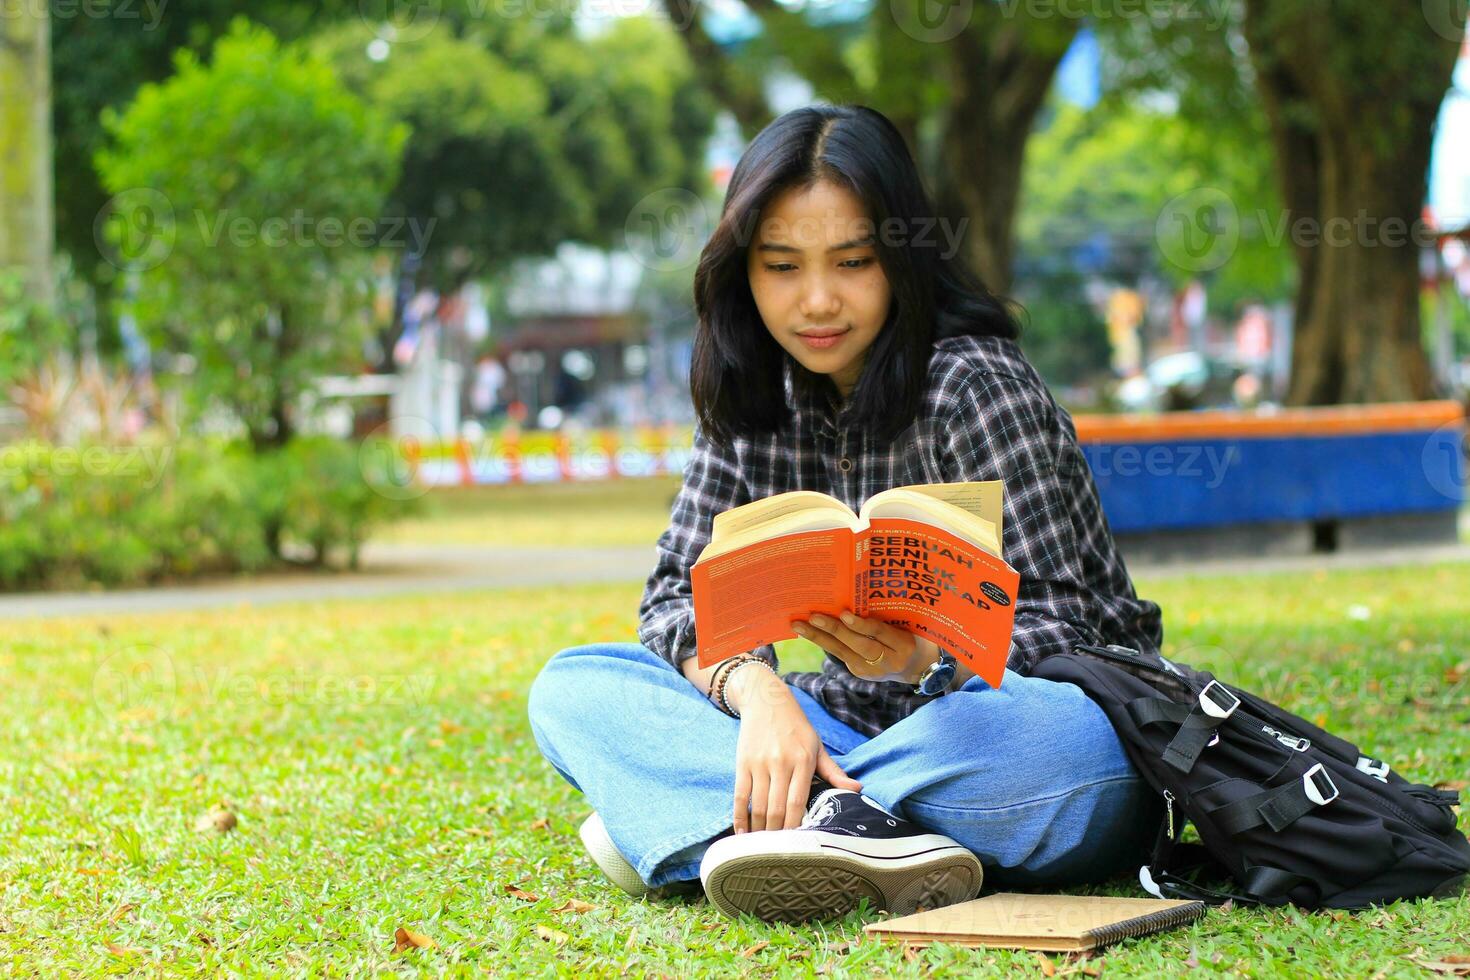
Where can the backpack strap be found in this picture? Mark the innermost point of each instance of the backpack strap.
(1197, 723)
(1279, 807)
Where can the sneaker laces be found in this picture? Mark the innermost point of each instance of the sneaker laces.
(822, 809)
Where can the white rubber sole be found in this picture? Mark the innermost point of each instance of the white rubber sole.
(797, 875)
(608, 858)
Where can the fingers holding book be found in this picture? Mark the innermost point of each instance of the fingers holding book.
(871, 648)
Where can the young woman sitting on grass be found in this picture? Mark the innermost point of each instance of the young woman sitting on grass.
(842, 347)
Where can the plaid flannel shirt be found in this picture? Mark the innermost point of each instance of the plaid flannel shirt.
(986, 415)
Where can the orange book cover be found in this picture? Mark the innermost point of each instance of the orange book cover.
(909, 573)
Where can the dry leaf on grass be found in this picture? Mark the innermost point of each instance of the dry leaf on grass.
(117, 950)
(408, 939)
(754, 948)
(542, 824)
(121, 911)
(913, 951)
(1048, 968)
(219, 821)
(574, 905)
(516, 891)
(1455, 965)
(553, 935)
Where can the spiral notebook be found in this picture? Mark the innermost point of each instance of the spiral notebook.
(1051, 923)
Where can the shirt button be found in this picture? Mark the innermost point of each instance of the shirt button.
(844, 464)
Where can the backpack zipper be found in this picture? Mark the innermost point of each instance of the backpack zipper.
(1169, 811)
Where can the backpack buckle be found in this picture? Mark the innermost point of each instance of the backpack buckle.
(1217, 701)
(1316, 792)
(1376, 768)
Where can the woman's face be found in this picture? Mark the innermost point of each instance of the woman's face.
(816, 279)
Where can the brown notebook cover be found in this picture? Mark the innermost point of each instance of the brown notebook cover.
(1052, 923)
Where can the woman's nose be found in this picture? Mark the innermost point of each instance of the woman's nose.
(819, 302)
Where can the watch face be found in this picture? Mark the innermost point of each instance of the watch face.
(937, 677)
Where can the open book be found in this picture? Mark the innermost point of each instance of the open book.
(926, 559)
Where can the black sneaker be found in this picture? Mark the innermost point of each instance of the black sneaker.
(846, 849)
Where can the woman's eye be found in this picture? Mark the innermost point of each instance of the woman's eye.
(781, 267)
(845, 264)
(860, 263)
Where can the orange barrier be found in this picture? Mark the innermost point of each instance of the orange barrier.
(1327, 420)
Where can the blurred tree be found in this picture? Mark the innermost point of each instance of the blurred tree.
(964, 90)
(525, 135)
(243, 191)
(102, 52)
(26, 219)
(1097, 181)
(1352, 89)
(1349, 92)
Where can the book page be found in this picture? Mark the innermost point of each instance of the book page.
(815, 519)
(748, 516)
(749, 597)
(907, 505)
(923, 579)
(983, 498)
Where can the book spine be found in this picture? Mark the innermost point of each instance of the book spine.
(1144, 924)
(859, 600)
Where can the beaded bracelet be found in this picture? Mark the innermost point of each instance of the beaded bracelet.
(717, 681)
(725, 681)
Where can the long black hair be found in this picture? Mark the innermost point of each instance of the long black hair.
(736, 378)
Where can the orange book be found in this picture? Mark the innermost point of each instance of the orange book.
(925, 558)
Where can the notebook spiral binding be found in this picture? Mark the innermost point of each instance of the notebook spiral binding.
(1144, 924)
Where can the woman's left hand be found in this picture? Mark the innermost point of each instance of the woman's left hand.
(871, 648)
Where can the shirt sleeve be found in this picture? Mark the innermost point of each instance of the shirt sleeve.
(712, 483)
(1007, 429)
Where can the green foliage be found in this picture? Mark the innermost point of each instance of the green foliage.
(1111, 173)
(249, 191)
(127, 515)
(28, 333)
(525, 136)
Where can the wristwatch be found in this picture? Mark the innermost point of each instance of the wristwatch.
(937, 676)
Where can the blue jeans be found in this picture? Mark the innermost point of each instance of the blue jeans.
(1029, 776)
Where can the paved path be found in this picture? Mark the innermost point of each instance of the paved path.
(407, 569)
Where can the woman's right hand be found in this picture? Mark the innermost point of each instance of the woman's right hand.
(776, 755)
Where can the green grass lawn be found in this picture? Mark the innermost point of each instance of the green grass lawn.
(591, 514)
(377, 758)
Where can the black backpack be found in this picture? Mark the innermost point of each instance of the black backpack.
(1288, 811)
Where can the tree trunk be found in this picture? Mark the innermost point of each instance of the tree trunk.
(1352, 153)
(998, 79)
(27, 222)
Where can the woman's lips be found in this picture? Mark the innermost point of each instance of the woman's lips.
(822, 343)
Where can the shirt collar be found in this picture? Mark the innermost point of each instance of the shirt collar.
(825, 414)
